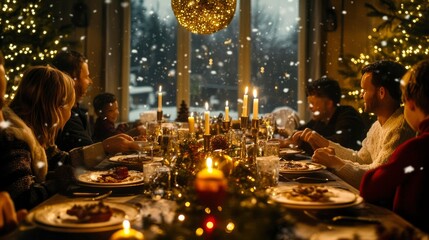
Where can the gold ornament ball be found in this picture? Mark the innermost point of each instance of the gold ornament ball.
(222, 161)
(204, 16)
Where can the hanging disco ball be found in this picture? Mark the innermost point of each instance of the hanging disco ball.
(204, 16)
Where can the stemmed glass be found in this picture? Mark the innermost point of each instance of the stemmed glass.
(152, 133)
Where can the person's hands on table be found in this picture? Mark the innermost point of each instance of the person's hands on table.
(312, 137)
(120, 143)
(326, 156)
(9, 219)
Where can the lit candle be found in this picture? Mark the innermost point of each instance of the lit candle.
(211, 184)
(210, 179)
(191, 122)
(226, 111)
(127, 233)
(255, 104)
(160, 99)
(245, 100)
(207, 120)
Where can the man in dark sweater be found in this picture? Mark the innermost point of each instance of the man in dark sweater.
(76, 131)
(340, 124)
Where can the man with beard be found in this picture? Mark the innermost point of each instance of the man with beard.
(381, 93)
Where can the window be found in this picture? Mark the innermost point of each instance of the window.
(214, 58)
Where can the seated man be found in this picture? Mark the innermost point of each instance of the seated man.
(401, 183)
(335, 122)
(76, 131)
(381, 93)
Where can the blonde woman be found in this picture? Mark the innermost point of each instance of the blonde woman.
(41, 107)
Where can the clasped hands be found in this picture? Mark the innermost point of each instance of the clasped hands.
(323, 154)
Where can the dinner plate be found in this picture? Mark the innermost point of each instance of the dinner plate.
(133, 159)
(299, 167)
(333, 198)
(290, 151)
(91, 178)
(55, 218)
(146, 146)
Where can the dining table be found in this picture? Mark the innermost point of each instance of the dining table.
(357, 220)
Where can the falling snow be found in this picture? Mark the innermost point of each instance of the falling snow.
(408, 169)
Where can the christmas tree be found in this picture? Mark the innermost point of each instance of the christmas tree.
(402, 36)
(183, 113)
(30, 34)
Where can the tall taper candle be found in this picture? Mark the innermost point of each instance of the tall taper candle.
(207, 120)
(191, 123)
(160, 99)
(255, 104)
(226, 111)
(245, 100)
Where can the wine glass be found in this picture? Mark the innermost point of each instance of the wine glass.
(152, 133)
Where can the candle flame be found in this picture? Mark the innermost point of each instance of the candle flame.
(207, 106)
(246, 90)
(209, 163)
(126, 226)
(160, 88)
(226, 103)
(255, 93)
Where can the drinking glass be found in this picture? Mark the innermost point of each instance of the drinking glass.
(152, 132)
(161, 183)
(272, 148)
(268, 171)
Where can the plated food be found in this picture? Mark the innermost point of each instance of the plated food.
(91, 212)
(314, 196)
(83, 216)
(113, 177)
(290, 151)
(133, 159)
(299, 166)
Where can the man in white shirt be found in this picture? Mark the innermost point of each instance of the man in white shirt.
(381, 93)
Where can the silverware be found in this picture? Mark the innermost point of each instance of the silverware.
(102, 196)
(306, 179)
(348, 219)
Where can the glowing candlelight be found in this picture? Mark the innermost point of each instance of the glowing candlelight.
(127, 233)
(191, 122)
(160, 99)
(207, 120)
(245, 100)
(211, 185)
(226, 111)
(255, 104)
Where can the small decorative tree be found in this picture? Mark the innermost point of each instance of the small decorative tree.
(183, 113)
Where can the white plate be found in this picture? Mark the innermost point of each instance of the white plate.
(289, 151)
(309, 167)
(92, 176)
(55, 218)
(133, 159)
(337, 198)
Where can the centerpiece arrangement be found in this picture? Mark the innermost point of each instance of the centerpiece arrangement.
(215, 188)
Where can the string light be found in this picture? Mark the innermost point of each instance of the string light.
(30, 37)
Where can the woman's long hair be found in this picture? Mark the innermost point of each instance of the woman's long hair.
(41, 96)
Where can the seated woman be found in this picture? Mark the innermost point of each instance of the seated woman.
(9, 218)
(41, 107)
(401, 183)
